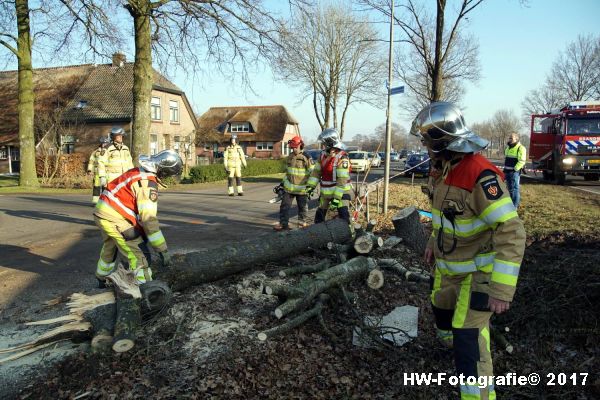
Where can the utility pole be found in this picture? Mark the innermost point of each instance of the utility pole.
(388, 122)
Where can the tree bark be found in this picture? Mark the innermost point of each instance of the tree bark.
(305, 269)
(141, 11)
(407, 225)
(127, 324)
(323, 281)
(102, 319)
(207, 266)
(27, 175)
(437, 82)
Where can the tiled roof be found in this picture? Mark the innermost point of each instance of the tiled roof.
(267, 123)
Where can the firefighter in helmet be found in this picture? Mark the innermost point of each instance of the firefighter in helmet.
(332, 171)
(477, 242)
(299, 167)
(233, 160)
(126, 216)
(116, 159)
(92, 167)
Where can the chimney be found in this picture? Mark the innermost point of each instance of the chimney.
(118, 59)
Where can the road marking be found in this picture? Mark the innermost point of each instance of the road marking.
(585, 190)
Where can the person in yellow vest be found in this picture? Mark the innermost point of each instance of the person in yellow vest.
(299, 167)
(332, 171)
(92, 167)
(233, 160)
(515, 157)
(116, 159)
(126, 216)
(477, 243)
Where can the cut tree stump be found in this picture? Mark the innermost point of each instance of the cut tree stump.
(310, 288)
(407, 225)
(207, 266)
(367, 242)
(102, 319)
(127, 324)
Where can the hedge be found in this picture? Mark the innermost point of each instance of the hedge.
(216, 172)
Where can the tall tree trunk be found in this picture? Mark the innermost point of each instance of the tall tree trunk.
(437, 90)
(28, 176)
(141, 11)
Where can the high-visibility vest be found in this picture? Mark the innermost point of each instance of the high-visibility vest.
(328, 168)
(119, 195)
(514, 157)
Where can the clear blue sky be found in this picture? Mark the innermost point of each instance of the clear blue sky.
(518, 45)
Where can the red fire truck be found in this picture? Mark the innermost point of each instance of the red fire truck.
(567, 141)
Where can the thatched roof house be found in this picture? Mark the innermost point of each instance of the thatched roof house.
(263, 131)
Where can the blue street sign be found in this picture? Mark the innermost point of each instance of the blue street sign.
(397, 90)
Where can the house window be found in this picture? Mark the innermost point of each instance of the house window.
(176, 143)
(240, 127)
(155, 108)
(285, 147)
(3, 153)
(264, 145)
(68, 144)
(81, 104)
(173, 111)
(153, 144)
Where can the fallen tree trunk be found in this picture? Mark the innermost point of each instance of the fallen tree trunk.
(200, 267)
(127, 324)
(407, 224)
(301, 295)
(102, 319)
(305, 269)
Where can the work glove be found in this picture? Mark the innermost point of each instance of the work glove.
(310, 190)
(103, 181)
(334, 204)
(165, 259)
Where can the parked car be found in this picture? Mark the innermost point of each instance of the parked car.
(314, 154)
(412, 161)
(359, 160)
(394, 156)
(382, 156)
(375, 160)
(403, 153)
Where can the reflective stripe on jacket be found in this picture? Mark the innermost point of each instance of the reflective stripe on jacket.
(477, 229)
(116, 161)
(299, 168)
(134, 197)
(515, 157)
(233, 157)
(333, 172)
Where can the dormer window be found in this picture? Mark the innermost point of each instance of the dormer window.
(81, 104)
(239, 127)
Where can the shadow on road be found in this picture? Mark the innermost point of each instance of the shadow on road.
(41, 215)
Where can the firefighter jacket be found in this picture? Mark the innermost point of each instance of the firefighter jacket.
(93, 162)
(299, 168)
(515, 157)
(476, 226)
(234, 157)
(333, 172)
(133, 196)
(116, 161)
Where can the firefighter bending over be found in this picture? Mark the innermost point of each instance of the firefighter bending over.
(477, 242)
(233, 160)
(333, 172)
(126, 216)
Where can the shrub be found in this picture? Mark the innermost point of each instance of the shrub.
(216, 172)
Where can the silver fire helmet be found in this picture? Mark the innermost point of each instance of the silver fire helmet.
(116, 131)
(330, 138)
(442, 126)
(164, 164)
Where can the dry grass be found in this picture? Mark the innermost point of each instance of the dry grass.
(545, 208)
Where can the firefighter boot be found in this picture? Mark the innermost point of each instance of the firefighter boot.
(240, 190)
(230, 186)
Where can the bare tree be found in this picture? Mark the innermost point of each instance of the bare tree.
(542, 100)
(440, 57)
(331, 54)
(576, 72)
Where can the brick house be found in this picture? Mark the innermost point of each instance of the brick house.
(262, 131)
(88, 100)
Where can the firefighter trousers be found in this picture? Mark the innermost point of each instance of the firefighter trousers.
(343, 211)
(235, 172)
(286, 204)
(462, 316)
(97, 189)
(122, 238)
